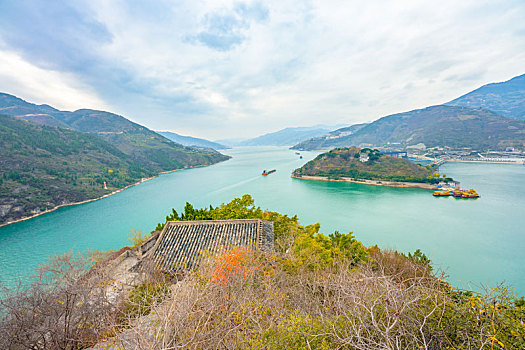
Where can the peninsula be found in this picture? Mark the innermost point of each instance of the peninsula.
(51, 158)
(367, 166)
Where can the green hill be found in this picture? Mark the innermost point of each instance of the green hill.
(142, 145)
(451, 126)
(42, 167)
(50, 157)
(505, 98)
(364, 163)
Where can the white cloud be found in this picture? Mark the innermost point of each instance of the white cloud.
(301, 63)
(37, 85)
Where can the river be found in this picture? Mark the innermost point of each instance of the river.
(476, 242)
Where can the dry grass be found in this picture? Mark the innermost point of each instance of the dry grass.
(387, 303)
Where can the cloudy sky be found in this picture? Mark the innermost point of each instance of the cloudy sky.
(222, 69)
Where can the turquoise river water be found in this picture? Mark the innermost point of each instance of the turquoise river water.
(476, 242)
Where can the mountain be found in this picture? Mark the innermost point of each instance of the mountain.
(142, 145)
(42, 167)
(288, 136)
(50, 158)
(191, 141)
(325, 141)
(482, 119)
(365, 163)
(506, 98)
(450, 126)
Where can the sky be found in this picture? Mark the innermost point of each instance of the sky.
(238, 69)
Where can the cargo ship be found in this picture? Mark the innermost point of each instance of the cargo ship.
(268, 172)
(441, 193)
(457, 194)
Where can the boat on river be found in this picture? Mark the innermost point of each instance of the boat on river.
(268, 172)
(465, 194)
(441, 193)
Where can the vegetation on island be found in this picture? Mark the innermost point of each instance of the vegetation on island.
(366, 163)
(314, 291)
(42, 166)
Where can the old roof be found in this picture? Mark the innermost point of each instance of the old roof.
(182, 244)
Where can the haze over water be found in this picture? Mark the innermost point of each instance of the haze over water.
(480, 241)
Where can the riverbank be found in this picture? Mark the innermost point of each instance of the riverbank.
(515, 162)
(369, 182)
(97, 198)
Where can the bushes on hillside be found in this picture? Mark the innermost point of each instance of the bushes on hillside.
(315, 291)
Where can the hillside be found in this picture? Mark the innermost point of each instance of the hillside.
(310, 290)
(288, 136)
(142, 145)
(451, 126)
(191, 141)
(351, 163)
(325, 141)
(505, 98)
(42, 167)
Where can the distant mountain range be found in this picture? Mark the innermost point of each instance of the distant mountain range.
(487, 118)
(50, 157)
(326, 141)
(191, 141)
(288, 136)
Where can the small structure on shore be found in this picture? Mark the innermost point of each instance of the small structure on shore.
(183, 244)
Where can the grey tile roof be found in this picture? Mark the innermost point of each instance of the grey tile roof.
(182, 244)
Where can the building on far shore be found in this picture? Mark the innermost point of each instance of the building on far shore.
(396, 154)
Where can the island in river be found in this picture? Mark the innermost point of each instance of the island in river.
(367, 166)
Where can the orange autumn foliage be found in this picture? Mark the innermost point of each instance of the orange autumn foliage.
(233, 262)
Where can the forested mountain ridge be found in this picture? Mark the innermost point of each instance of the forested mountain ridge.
(42, 167)
(50, 158)
(144, 146)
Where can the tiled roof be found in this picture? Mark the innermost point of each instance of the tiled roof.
(182, 244)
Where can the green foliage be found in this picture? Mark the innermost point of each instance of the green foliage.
(316, 251)
(344, 162)
(420, 258)
(238, 208)
(45, 166)
(137, 238)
